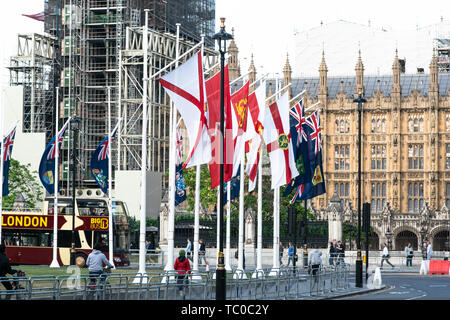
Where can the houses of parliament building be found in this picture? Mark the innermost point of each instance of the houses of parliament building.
(405, 148)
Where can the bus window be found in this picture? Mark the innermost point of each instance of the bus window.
(92, 207)
(65, 239)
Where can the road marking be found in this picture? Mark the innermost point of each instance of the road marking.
(424, 295)
(437, 285)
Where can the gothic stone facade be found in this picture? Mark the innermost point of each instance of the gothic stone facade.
(405, 148)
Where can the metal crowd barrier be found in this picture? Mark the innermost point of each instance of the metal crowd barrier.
(266, 284)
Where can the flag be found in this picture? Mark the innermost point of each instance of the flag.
(100, 159)
(235, 187)
(186, 89)
(212, 87)
(254, 139)
(7, 146)
(297, 119)
(278, 140)
(47, 164)
(239, 100)
(316, 186)
(180, 187)
(38, 16)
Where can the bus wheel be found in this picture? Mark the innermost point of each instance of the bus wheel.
(80, 260)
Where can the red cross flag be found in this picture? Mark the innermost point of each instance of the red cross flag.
(256, 102)
(186, 88)
(239, 100)
(278, 141)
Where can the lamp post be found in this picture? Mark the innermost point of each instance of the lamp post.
(422, 235)
(74, 125)
(360, 101)
(222, 36)
(388, 235)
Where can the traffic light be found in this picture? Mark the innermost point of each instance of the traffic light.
(292, 220)
(366, 217)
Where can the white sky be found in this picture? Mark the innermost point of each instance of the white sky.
(262, 27)
(265, 27)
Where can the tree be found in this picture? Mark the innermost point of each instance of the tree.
(23, 181)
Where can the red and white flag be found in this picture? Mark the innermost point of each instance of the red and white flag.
(278, 140)
(239, 100)
(212, 86)
(186, 88)
(253, 135)
(38, 16)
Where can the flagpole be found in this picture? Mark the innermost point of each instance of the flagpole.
(110, 224)
(2, 155)
(172, 168)
(142, 274)
(278, 91)
(239, 78)
(228, 235)
(259, 240)
(315, 104)
(241, 274)
(297, 96)
(54, 263)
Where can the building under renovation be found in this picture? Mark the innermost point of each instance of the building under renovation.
(84, 54)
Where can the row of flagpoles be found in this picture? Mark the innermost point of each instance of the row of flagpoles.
(247, 122)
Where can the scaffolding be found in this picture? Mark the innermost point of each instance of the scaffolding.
(32, 68)
(443, 54)
(161, 53)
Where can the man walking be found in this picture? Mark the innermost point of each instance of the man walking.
(385, 256)
(290, 254)
(314, 262)
(189, 249)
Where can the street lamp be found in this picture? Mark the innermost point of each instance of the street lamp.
(74, 126)
(360, 101)
(222, 36)
(388, 235)
(423, 232)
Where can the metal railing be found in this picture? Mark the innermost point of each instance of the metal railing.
(266, 284)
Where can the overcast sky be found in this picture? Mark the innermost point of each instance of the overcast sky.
(262, 27)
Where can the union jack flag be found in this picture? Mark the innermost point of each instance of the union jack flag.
(297, 113)
(313, 122)
(302, 193)
(179, 146)
(104, 145)
(8, 142)
(52, 152)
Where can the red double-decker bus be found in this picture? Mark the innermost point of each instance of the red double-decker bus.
(28, 235)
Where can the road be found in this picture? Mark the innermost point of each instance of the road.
(409, 287)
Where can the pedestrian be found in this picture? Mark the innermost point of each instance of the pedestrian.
(424, 251)
(5, 268)
(281, 253)
(182, 266)
(189, 249)
(429, 250)
(340, 252)
(409, 253)
(385, 256)
(290, 254)
(332, 252)
(314, 262)
(201, 252)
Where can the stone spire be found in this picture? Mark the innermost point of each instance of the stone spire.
(287, 76)
(396, 71)
(323, 71)
(252, 73)
(359, 88)
(434, 86)
(233, 60)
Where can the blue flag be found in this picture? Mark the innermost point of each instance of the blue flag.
(99, 161)
(180, 187)
(47, 165)
(316, 185)
(235, 186)
(8, 143)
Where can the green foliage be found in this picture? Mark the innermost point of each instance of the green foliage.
(134, 224)
(22, 180)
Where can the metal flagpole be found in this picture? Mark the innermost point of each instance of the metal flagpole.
(54, 263)
(172, 169)
(259, 240)
(240, 269)
(142, 275)
(196, 221)
(298, 96)
(228, 236)
(110, 218)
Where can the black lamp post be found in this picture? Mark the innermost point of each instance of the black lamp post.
(360, 101)
(222, 36)
(422, 235)
(74, 127)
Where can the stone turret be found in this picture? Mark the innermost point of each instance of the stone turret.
(287, 76)
(233, 59)
(323, 87)
(359, 87)
(396, 71)
(252, 73)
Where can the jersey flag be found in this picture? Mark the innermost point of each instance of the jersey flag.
(186, 88)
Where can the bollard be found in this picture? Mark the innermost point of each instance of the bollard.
(377, 278)
(423, 267)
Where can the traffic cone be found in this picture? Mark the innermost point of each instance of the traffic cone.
(207, 266)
